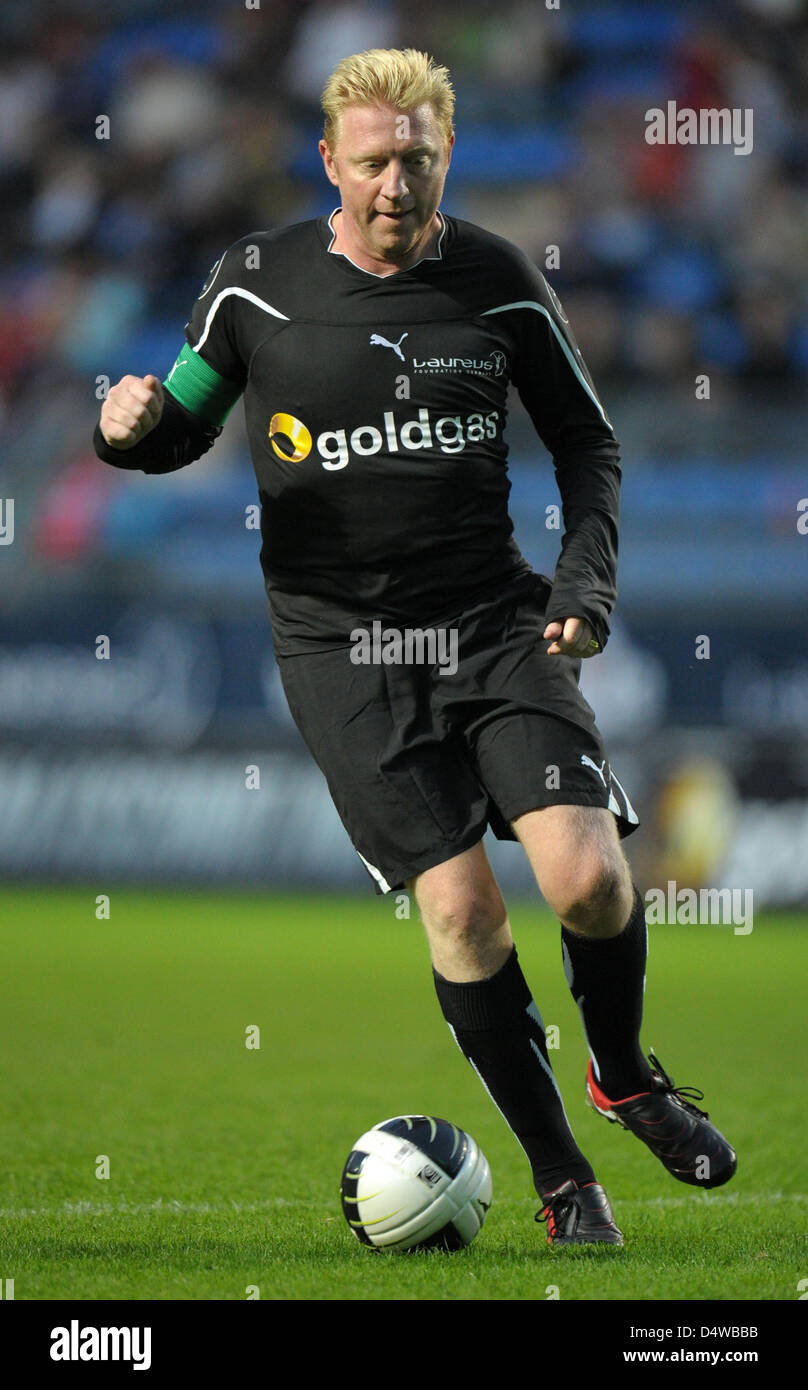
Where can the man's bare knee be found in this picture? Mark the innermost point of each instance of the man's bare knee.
(464, 916)
(458, 916)
(576, 854)
(594, 893)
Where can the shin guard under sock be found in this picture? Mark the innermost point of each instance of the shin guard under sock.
(607, 978)
(500, 1031)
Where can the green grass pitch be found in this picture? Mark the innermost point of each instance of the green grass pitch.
(126, 1038)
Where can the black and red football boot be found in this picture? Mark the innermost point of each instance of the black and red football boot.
(579, 1216)
(676, 1131)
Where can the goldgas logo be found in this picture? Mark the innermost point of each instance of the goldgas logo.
(291, 440)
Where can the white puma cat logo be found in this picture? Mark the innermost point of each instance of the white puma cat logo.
(376, 340)
(183, 363)
(599, 770)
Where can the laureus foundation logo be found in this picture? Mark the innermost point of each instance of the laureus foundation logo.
(289, 437)
(495, 364)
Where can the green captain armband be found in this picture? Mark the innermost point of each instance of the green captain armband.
(201, 390)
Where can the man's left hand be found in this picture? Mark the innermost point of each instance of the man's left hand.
(572, 638)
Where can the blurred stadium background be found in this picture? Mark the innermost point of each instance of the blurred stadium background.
(674, 262)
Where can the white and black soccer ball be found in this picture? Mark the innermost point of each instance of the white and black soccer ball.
(415, 1183)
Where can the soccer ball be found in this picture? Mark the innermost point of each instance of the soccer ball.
(415, 1183)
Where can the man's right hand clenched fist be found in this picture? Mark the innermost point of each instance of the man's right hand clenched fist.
(131, 410)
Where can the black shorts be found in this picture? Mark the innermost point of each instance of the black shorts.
(420, 759)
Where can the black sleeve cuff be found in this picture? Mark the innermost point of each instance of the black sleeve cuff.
(176, 441)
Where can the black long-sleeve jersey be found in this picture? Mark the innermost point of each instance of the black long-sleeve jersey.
(375, 409)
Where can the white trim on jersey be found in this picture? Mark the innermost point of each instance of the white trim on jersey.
(375, 873)
(533, 304)
(242, 294)
(439, 256)
(214, 275)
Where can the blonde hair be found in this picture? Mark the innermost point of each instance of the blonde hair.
(401, 77)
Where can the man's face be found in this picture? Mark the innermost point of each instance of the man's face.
(390, 167)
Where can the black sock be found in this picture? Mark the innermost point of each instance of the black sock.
(499, 1029)
(607, 978)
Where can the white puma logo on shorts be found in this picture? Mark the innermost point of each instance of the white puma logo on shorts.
(599, 770)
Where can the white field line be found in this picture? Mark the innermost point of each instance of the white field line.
(703, 1199)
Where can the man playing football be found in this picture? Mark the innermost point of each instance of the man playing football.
(374, 349)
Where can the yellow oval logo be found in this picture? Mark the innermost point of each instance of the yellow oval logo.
(289, 437)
